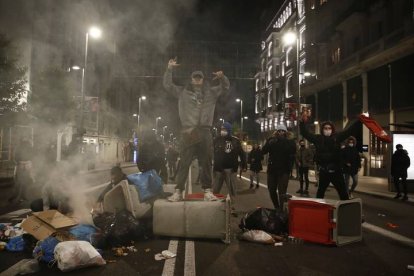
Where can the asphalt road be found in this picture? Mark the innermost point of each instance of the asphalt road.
(382, 251)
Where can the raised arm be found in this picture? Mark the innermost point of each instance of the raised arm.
(348, 131)
(175, 90)
(224, 86)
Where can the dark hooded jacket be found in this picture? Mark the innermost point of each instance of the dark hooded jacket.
(281, 154)
(350, 155)
(227, 150)
(151, 153)
(400, 162)
(328, 148)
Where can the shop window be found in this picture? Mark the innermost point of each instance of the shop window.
(269, 73)
(257, 84)
(289, 87)
(270, 49)
(283, 68)
(378, 153)
(257, 108)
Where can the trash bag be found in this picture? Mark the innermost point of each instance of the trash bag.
(119, 229)
(83, 232)
(148, 184)
(44, 250)
(16, 244)
(258, 236)
(268, 220)
(72, 255)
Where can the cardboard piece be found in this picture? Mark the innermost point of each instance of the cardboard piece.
(43, 224)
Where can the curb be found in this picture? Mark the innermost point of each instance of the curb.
(385, 196)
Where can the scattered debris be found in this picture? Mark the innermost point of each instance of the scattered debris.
(258, 236)
(278, 244)
(410, 267)
(147, 250)
(25, 266)
(164, 255)
(392, 225)
(381, 215)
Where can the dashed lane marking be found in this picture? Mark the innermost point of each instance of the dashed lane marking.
(189, 263)
(169, 265)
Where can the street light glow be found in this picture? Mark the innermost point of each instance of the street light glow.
(289, 38)
(238, 100)
(143, 98)
(135, 114)
(76, 67)
(245, 117)
(95, 32)
(307, 74)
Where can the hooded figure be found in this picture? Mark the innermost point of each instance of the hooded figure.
(227, 150)
(281, 152)
(328, 155)
(400, 162)
(351, 163)
(152, 155)
(196, 105)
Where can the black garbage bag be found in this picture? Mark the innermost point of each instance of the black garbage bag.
(268, 220)
(119, 229)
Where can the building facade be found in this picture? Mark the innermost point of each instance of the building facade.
(357, 57)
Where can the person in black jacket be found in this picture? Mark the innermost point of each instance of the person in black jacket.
(255, 161)
(400, 162)
(152, 155)
(351, 164)
(227, 150)
(328, 155)
(281, 153)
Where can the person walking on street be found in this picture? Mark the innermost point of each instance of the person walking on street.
(196, 105)
(23, 177)
(281, 151)
(400, 162)
(304, 161)
(328, 155)
(351, 164)
(255, 162)
(227, 149)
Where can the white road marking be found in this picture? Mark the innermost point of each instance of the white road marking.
(389, 234)
(169, 265)
(189, 263)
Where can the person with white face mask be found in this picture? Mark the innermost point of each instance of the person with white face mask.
(227, 150)
(351, 164)
(328, 154)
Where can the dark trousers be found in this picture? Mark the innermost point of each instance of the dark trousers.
(172, 168)
(202, 149)
(403, 181)
(336, 178)
(277, 183)
(303, 176)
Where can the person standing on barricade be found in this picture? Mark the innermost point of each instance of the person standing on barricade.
(196, 105)
(351, 164)
(400, 162)
(281, 151)
(172, 156)
(328, 154)
(227, 149)
(255, 162)
(304, 161)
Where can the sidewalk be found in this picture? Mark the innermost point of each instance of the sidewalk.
(374, 186)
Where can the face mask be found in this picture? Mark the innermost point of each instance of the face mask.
(223, 133)
(351, 145)
(327, 132)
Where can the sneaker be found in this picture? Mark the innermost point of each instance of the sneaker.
(299, 191)
(404, 198)
(397, 196)
(177, 196)
(209, 196)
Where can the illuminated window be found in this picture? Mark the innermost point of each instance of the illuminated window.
(270, 97)
(256, 107)
(270, 49)
(336, 55)
(257, 84)
(302, 39)
(312, 4)
(283, 68)
(289, 87)
(277, 70)
(378, 151)
(269, 73)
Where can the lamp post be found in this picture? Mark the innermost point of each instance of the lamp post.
(156, 125)
(241, 115)
(142, 98)
(94, 32)
(290, 38)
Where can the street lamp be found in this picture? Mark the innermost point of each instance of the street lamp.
(140, 99)
(96, 33)
(241, 115)
(290, 38)
(156, 124)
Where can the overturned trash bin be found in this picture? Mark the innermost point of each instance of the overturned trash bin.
(332, 222)
(192, 219)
